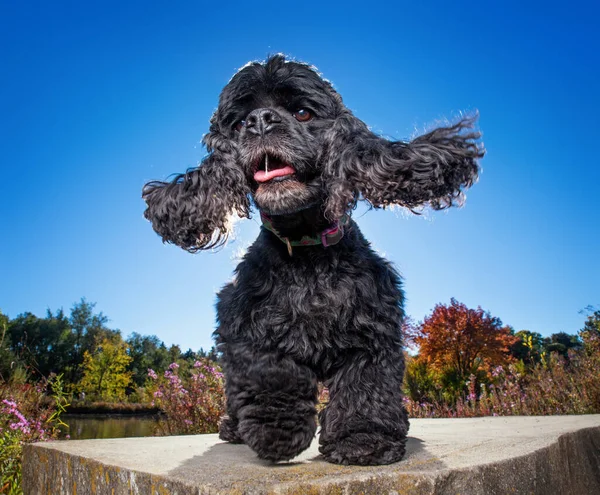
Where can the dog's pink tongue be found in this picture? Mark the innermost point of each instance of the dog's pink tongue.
(262, 176)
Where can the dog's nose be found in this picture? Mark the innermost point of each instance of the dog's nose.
(261, 121)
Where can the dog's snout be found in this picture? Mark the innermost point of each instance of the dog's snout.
(262, 120)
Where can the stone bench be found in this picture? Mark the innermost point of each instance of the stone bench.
(501, 455)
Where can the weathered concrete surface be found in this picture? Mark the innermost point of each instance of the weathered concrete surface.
(545, 455)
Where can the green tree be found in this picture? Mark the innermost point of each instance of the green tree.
(590, 333)
(105, 375)
(146, 352)
(419, 380)
(212, 354)
(42, 344)
(190, 356)
(592, 323)
(174, 353)
(561, 343)
(8, 360)
(529, 346)
(87, 328)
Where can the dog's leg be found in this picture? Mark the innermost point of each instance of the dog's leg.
(271, 404)
(365, 421)
(228, 429)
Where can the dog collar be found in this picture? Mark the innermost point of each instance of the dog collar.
(328, 237)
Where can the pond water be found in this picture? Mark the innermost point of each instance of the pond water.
(86, 426)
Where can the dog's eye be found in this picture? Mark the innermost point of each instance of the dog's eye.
(302, 115)
(238, 126)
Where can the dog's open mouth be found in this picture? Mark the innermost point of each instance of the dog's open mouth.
(272, 168)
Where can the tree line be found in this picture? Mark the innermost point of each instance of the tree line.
(457, 347)
(92, 358)
(461, 351)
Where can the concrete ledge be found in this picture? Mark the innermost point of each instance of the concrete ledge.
(545, 455)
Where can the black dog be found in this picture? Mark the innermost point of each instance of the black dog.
(311, 301)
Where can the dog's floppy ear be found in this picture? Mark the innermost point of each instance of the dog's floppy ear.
(193, 210)
(433, 169)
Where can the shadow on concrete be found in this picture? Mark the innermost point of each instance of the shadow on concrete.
(230, 466)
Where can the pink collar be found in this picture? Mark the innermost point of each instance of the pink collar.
(328, 237)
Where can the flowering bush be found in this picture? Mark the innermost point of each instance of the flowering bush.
(554, 386)
(191, 404)
(26, 415)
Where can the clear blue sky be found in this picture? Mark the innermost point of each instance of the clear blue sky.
(96, 100)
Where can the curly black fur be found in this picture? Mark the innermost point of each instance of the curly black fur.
(432, 169)
(329, 314)
(192, 210)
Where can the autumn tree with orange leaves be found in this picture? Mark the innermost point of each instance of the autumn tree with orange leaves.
(464, 340)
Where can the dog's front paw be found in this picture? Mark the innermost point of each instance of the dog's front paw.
(228, 430)
(277, 439)
(364, 449)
